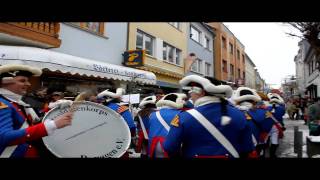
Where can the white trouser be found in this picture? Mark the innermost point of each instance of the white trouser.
(158, 152)
(274, 135)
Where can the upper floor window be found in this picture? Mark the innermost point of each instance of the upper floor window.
(224, 42)
(171, 54)
(175, 24)
(145, 41)
(207, 42)
(224, 66)
(207, 69)
(95, 27)
(197, 66)
(195, 34)
(231, 48)
(238, 54)
(232, 70)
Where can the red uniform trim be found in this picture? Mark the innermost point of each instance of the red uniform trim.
(154, 142)
(278, 126)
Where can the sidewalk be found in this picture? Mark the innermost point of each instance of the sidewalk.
(286, 147)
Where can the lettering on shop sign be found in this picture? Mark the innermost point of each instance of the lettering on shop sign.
(105, 69)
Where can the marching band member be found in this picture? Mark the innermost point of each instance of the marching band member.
(278, 110)
(246, 100)
(113, 101)
(147, 106)
(20, 126)
(213, 129)
(168, 107)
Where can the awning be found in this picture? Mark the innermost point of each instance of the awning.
(55, 61)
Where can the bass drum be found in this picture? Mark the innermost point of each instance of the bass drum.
(96, 131)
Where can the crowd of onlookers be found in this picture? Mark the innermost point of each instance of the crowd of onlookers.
(307, 109)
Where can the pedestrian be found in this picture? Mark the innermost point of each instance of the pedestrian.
(314, 117)
(19, 124)
(168, 107)
(213, 129)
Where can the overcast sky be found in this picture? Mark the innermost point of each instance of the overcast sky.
(271, 50)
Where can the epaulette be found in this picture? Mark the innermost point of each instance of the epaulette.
(175, 121)
(268, 114)
(121, 109)
(3, 105)
(248, 117)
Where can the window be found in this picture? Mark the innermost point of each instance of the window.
(232, 70)
(145, 41)
(224, 66)
(238, 54)
(239, 75)
(195, 34)
(244, 75)
(230, 48)
(197, 66)
(175, 24)
(207, 42)
(171, 54)
(207, 69)
(224, 42)
(95, 27)
(243, 59)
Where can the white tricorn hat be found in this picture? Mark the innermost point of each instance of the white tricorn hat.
(107, 93)
(147, 100)
(245, 93)
(224, 90)
(174, 100)
(9, 71)
(275, 98)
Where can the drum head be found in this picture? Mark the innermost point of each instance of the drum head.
(96, 131)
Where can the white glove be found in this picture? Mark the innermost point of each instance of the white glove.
(61, 104)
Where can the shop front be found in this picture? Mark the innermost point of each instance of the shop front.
(73, 74)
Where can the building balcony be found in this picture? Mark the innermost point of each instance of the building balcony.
(37, 34)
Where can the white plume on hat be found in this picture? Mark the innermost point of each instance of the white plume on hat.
(178, 103)
(236, 97)
(107, 93)
(210, 88)
(147, 100)
(19, 67)
(275, 98)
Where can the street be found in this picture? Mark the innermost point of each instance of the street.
(286, 147)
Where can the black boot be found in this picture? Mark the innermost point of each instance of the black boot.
(273, 150)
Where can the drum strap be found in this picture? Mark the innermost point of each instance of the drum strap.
(162, 121)
(7, 152)
(143, 128)
(214, 132)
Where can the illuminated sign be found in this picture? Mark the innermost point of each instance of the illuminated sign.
(134, 58)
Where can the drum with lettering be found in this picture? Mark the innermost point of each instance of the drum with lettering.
(96, 131)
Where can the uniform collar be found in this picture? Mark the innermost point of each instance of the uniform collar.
(245, 106)
(12, 96)
(206, 100)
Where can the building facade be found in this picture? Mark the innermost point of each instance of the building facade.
(165, 45)
(250, 80)
(74, 56)
(200, 42)
(229, 56)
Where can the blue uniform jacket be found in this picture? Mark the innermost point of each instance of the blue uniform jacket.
(125, 113)
(156, 129)
(11, 120)
(197, 141)
(259, 122)
(280, 111)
